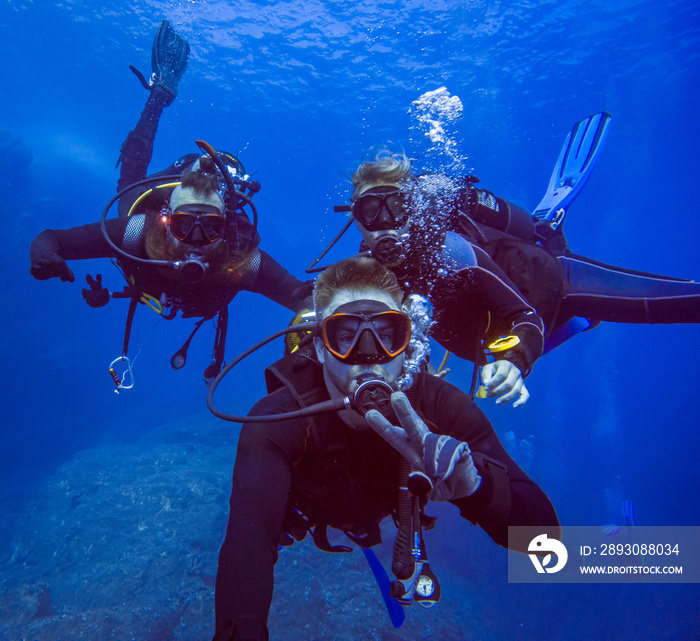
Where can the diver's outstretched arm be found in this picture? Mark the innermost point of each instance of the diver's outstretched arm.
(52, 248)
(276, 283)
(169, 59)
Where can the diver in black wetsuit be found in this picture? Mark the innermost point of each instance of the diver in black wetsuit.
(194, 228)
(406, 221)
(474, 301)
(298, 475)
(183, 246)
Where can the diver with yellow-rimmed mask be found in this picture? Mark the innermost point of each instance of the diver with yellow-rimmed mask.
(317, 453)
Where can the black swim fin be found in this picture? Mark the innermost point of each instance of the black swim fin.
(169, 58)
(577, 158)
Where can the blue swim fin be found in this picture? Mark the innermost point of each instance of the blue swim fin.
(393, 607)
(568, 330)
(576, 160)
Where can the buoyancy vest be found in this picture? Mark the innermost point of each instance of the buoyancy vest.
(508, 235)
(324, 492)
(167, 295)
(537, 274)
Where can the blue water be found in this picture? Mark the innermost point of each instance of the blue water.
(301, 89)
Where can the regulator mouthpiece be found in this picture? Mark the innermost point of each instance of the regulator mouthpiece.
(193, 268)
(388, 251)
(373, 393)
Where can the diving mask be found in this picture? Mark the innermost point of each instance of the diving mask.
(379, 211)
(366, 332)
(196, 227)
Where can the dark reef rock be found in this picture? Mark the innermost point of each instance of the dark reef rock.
(122, 543)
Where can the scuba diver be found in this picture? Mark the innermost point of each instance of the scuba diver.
(183, 239)
(474, 302)
(439, 234)
(308, 460)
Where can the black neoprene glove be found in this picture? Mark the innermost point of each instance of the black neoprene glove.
(51, 265)
(95, 295)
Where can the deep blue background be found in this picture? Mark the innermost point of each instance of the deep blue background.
(301, 89)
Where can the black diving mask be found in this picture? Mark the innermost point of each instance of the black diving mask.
(381, 211)
(197, 227)
(366, 332)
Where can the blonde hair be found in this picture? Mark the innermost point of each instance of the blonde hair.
(201, 177)
(356, 272)
(199, 186)
(387, 168)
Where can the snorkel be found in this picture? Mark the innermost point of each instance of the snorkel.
(192, 267)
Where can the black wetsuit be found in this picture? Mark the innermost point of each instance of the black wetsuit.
(264, 275)
(347, 479)
(137, 148)
(472, 305)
